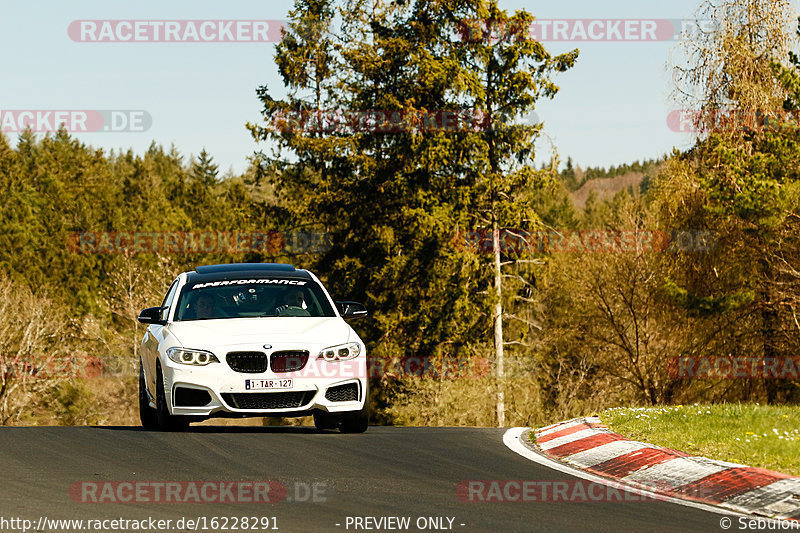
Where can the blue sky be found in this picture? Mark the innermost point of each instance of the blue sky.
(612, 107)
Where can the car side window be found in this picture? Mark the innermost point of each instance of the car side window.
(168, 299)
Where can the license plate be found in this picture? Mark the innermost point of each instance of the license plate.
(261, 384)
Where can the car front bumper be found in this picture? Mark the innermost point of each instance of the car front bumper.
(327, 386)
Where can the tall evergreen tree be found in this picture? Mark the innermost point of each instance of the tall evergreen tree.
(204, 170)
(393, 188)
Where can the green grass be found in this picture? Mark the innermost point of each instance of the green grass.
(750, 434)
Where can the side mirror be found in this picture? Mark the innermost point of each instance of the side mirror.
(351, 309)
(152, 315)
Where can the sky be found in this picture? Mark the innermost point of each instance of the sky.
(612, 107)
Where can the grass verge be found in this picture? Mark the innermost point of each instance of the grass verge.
(751, 434)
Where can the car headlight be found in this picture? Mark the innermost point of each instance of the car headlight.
(341, 352)
(188, 356)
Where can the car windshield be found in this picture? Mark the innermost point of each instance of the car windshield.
(252, 298)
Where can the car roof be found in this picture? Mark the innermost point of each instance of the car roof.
(206, 273)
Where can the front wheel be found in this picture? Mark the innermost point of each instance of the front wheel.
(147, 415)
(356, 422)
(166, 421)
(324, 421)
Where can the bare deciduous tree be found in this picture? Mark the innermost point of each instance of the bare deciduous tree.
(33, 353)
(131, 288)
(726, 64)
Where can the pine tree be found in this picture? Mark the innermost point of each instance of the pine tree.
(394, 192)
(507, 71)
(204, 170)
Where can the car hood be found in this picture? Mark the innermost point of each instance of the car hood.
(326, 331)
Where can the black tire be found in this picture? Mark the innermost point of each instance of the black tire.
(147, 415)
(166, 421)
(356, 422)
(324, 421)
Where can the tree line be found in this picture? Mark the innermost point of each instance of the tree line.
(564, 329)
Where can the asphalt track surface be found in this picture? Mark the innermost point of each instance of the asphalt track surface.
(385, 472)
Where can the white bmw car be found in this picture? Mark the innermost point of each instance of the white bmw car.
(252, 339)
